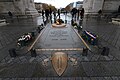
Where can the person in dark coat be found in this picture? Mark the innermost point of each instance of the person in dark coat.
(99, 14)
(50, 12)
(47, 13)
(43, 15)
(10, 14)
(74, 11)
(58, 13)
(78, 12)
(119, 9)
(82, 13)
(54, 13)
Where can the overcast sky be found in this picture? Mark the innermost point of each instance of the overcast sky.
(57, 3)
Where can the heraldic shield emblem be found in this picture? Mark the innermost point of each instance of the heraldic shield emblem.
(59, 62)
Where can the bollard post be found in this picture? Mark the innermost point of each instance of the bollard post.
(105, 51)
(85, 52)
(33, 53)
(12, 52)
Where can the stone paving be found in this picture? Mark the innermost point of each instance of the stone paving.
(106, 30)
(94, 66)
(109, 34)
(11, 32)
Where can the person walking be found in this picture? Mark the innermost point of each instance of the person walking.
(11, 16)
(43, 15)
(78, 12)
(46, 15)
(66, 16)
(82, 13)
(99, 14)
(54, 13)
(119, 9)
(58, 13)
(50, 12)
(74, 12)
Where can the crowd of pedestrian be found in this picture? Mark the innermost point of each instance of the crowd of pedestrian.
(76, 14)
(47, 14)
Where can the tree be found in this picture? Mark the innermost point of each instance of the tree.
(45, 6)
(52, 7)
(68, 8)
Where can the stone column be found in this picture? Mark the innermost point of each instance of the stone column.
(92, 6)
(18, 7)
(30, 7)
(87, 5)
(111, 6)
(97, 5)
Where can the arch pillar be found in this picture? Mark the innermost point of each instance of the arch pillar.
(18, 7)
(93, 6)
